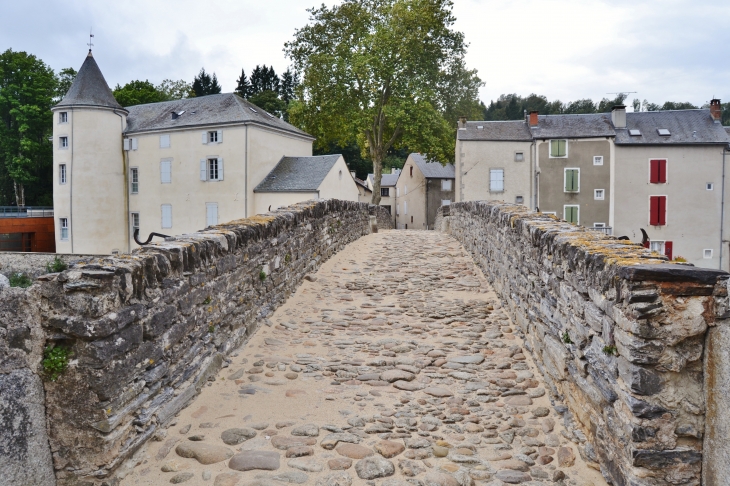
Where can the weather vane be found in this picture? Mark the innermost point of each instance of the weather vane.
(91, 36)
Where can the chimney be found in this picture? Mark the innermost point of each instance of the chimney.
(716, 110)
(533, 118)
(352, 173)
(462, 123)
(618, 116)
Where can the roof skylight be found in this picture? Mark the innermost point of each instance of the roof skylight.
(252, 109)
(635, 133)
(663, 132)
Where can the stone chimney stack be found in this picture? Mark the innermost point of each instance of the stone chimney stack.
(462, 123)
(618, 116)
(716, 110)
(533, 118)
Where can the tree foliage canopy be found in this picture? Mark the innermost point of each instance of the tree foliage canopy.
(376, 71)
(204, 84)
(141, 92)
(28, 88)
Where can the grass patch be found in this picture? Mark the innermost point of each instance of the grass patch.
(20, 280)
(55, 266)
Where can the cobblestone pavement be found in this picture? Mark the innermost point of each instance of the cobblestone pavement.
(395, 366)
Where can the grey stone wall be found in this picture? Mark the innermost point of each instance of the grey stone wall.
(147, 330)
(618, 333)
(33, 264)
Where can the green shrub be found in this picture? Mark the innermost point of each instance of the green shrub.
(566, 338)
(610, 350)
(207, 300)
(262, 275)
(55, 361)
(287, 258)
(211, 328)
(20, 280)
(57, 265)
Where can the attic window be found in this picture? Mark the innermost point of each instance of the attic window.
(252, 109)
(635, 133)
(663, 132)
(480, 127)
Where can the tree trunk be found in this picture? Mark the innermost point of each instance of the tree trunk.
(377, 174)
(19, 194)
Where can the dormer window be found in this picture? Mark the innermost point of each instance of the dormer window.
(635, 133)
(663, 132)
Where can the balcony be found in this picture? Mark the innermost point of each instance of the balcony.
(26, 212)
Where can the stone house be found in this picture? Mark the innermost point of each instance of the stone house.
(422, 188)
(298, 179)
(172, 167)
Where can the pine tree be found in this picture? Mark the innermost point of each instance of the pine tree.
(204, 84)
(243, 87)
(287, 86)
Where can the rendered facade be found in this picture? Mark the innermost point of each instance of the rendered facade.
(422, 188)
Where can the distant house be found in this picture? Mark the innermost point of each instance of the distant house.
(387, 190)
(365, 194)
(423, 187)
(171, 167)
(297, 179)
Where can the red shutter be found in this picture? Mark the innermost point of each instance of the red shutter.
(668, 249)
(662, 171)
(654, 171)
(662, 210)
(654, 209)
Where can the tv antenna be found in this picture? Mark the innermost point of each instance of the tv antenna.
(91, 37)
(625, 93)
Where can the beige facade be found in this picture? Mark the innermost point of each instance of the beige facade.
(693, 212)
(421, 189)
(585, 165)
(388, 192)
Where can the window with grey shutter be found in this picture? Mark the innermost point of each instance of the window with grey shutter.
(166, 171)
(572, 180)
(164, 141)
(166, 216)
(203, 170)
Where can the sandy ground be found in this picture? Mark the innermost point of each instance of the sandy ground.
(400, 348)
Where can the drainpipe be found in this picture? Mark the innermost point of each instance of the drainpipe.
(722, 204)
(71, 184)
(126, 183)
(533, 166)
(245, 176)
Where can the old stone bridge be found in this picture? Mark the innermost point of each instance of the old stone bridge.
(302, 347)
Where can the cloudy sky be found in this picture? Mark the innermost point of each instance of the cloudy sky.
(674, 50)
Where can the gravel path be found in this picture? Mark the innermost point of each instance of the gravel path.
(395, 366)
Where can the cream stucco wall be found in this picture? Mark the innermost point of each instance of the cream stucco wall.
(412, 200)
(693, 212)
(277, 200)
(187, 194)
(389, 200)
(95, 173)
(474, 159)
(364, 195)
(339, 184)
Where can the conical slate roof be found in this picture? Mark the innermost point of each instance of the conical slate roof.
(90, 88)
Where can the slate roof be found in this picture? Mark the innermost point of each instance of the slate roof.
(512, 130)
(573, 126)
(298, 174)
(218, 109)
(685, 127)
(433, 170)
(362, 183)
(386, 180)
(727, 129)
(89, 88)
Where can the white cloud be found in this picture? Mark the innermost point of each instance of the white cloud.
(567, 49)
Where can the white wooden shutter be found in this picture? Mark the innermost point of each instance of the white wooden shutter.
(211, 214)
(220, 136)
(134, 144)
(167, 216)
(126, 143)
(203, 170)
(205, 138)
(165, 172)
(220, 169)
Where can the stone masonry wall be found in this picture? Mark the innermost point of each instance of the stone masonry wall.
(147, 330)
(618, 333)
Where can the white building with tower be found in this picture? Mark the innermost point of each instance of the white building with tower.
(172, 167)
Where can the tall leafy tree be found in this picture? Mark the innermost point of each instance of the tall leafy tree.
(371, 72)
(268, 100)
(27, 90)
(138, 93)
(176, 90)
(243, 86)
(204, 84)
(65, 78)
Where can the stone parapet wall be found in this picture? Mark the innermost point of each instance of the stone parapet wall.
(147, 330)
(618, 332)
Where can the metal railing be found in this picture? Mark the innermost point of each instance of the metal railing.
(26, 212)
(608, 230)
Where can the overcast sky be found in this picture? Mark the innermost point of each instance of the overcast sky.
(674, 50)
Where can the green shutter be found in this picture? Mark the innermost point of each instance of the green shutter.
(572, 180)
(571, 214)
(558, 148)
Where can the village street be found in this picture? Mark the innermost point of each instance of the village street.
(395, 365)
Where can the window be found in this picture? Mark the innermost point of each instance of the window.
(599, 225)
(707, 254)
(552, 213)
(663, 132)
(710, 186)
(166, 216)
(658, 210)
(446, 185)
(571, 214)
(164, 141)
(405, 207)
(212, 137)
(166, 171)
(558, 148)
(397, 191)
(519, 199)
(658, 171)
(63, 224)
(598, 160)
(385, 192)
(63, 142)
(211, 214)
(211, 169)
(496, 180)
(635, 133)
(599, 194)
(130, 144)
(134, 180)
(572, 180)
(405, 190)
(657, 246)
(446, 202)
(411, 171)
(134, 221)
(411, 219)
(519, 156)
(62, 173)
(63, 117)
